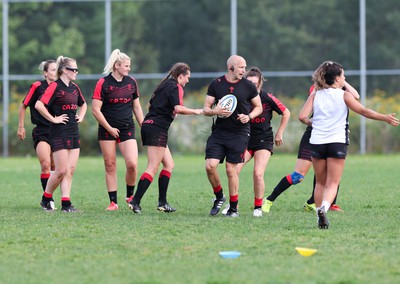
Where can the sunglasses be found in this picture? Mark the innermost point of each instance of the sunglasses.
(75, 70)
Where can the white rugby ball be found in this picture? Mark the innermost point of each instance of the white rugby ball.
(229, 102)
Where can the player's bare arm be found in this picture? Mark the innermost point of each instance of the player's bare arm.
(208, 110)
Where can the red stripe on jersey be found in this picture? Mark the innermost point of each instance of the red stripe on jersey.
(49, 93)
(137, 87)
(79, 93)
(31, 92)
(180, 93)
(281, 106)
(97, 89)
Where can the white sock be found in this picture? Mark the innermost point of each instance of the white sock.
(326, 205)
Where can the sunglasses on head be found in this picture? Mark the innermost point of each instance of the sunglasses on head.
(75, 70)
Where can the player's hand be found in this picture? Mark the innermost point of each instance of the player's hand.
(222, 111)
(243, 118)
(198, 111)
(78, 118)
(278, 140)
(392, 119)
(62, 119)
(21, 133)
(114, 132)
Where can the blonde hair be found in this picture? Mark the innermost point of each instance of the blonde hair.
(44, 65)
(61, 63)
(116, 57)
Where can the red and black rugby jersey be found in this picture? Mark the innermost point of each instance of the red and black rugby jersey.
(262, 123)
(162, 104)
(34, 93)
(117, 98)
(62, 99)
(243, 90)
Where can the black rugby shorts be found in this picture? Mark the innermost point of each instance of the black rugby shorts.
(124, 134)
(330, 150)
(229, 145)
(39, 134)
(304, 152)
(65, 143)
(261, 142)
(153, 135)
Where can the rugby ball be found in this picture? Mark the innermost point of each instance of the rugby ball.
(229, 102)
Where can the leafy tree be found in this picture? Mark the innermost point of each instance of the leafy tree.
(281, 36)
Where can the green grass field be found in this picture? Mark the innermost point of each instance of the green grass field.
(95, 246)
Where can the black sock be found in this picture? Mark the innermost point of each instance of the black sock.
(47, 197)
(233, 205)
(334, 201)
(281, 187)
(43, 180)
(311, 200)
(65, 203)
(143, 185)
(163, 181)
(129, 190)
(218, 192)
(113, 196)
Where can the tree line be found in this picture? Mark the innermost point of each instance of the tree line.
(274, 35)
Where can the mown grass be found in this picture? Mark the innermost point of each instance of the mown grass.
(95, 246)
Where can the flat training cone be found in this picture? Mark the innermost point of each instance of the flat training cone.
(229, 254)
(306, 251)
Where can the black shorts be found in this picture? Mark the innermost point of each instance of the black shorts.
(39, 134)
(330, 150)
(224, 144)
(124, 134)
(153, 135)
(304, 152)
(260, 142)
(61, 143)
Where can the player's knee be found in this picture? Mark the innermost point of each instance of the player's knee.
(210, 169)
(296, 177)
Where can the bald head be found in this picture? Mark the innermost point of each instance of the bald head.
(235, 60)
(236, 67)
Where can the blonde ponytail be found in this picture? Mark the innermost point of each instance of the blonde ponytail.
(61, 63)
(116, 57)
